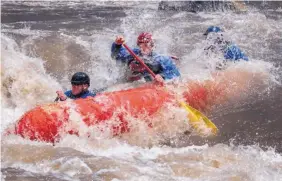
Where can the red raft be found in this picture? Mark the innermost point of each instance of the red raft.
(46, 122)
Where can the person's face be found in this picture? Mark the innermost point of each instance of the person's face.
(146, 48)
(77, 89)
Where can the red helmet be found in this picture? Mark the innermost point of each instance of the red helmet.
(144, 38)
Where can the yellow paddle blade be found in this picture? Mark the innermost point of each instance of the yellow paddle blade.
(197, 119)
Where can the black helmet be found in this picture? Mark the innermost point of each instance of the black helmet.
(80, 78)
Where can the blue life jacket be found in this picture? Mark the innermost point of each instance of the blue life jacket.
(159, 64)
(81, 95)
(233, 52)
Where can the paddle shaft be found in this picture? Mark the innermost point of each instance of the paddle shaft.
(187, 107)
(139, 60)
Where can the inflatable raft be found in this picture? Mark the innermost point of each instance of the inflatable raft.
(48, 122)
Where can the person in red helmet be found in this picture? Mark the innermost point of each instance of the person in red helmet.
(162, 66)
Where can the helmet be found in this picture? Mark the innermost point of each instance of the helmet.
(144, 38)
(212, 29)
(80, 78)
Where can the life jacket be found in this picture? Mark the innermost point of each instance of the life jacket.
(83, 94)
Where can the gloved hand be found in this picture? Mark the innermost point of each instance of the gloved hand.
(159, 79)
(61, 95)
(119, 40)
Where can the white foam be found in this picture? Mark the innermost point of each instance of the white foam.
(219, 162)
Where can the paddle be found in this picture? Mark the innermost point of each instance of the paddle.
(197, 119)
(139, 60)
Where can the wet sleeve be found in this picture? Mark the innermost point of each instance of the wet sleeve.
(233, 52)
(68, 94)
(92, 94)
(119, 53)
(169, 69)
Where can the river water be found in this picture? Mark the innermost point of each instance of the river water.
(44, 42)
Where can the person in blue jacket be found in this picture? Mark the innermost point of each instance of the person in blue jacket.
(80, 82)
(163, 66)
(230, 50)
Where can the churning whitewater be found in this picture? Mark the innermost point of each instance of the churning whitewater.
(44, 43)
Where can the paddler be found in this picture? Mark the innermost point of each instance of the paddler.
(163, 66)
(80, 83)
(218, 43)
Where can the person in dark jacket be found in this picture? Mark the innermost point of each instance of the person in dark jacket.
(80, 82)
